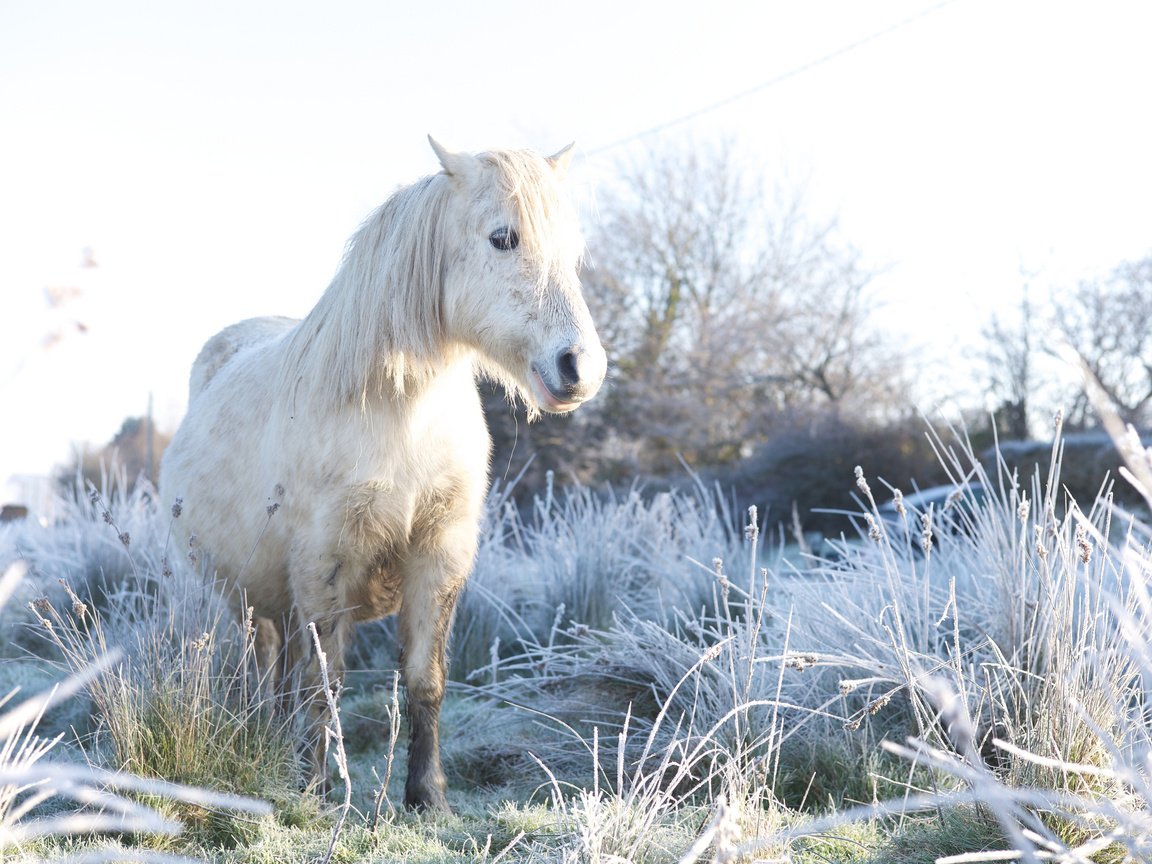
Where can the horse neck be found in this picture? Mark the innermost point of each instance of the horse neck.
(345, 350)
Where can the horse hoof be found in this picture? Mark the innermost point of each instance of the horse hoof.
(431, 801)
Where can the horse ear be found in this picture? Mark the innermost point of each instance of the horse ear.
(561, 160)
(454, 164)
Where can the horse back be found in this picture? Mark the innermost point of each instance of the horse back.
(230, 341)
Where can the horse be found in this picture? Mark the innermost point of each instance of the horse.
(333, 469)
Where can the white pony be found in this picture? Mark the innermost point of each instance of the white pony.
(332, 470)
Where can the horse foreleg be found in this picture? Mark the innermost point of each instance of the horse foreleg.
(429, 599)
(332, 634)
(269, 651)
(318, 602)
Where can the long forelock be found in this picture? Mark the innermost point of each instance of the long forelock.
(545, 218)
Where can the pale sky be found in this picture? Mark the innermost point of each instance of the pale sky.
(215, 157)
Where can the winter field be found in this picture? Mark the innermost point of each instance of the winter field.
(637, 677)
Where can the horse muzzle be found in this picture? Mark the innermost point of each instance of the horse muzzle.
(568, 379)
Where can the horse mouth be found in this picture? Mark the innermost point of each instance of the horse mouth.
(549, 400)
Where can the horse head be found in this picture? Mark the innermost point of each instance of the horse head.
(511, 289)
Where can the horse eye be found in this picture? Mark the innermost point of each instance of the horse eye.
(504, 239)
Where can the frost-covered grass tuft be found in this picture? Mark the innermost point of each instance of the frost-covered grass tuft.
(42, 797)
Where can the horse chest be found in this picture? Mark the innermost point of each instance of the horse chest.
(385, 525)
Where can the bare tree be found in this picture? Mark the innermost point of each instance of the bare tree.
(1009, 354)
(723, 306)
(1109, 324)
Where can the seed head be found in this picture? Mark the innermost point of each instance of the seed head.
(800, 662)
(1083, 544)
(177, 508)
(752, 529)
(712, 653)
(861, 483)
(926, 531)
(898, 501)
(718, 572)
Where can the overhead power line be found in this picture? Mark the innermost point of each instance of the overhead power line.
(772, 82)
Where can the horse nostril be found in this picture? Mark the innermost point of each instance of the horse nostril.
(567, 363)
